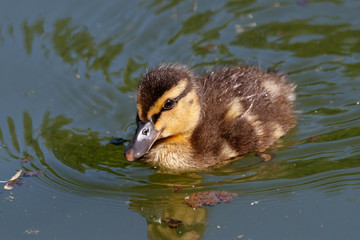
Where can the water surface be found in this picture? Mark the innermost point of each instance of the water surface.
(69, 72)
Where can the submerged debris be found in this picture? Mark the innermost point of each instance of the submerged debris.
(177, 189)
(14, 183)
(9, 198)
(32, 231)
(172, 223)
(15, 180)
(16, 176)
(26, 159)
(31, 173)
(117, 141)
(209, 198)
(313, 139)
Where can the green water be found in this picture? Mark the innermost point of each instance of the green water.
(68, 75)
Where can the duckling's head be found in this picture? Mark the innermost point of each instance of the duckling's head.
(168, 108)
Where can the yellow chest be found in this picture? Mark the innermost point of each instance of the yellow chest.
(173, 156)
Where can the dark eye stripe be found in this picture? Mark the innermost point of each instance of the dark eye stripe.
(156, 116)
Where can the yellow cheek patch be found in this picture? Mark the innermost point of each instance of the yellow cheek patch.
(172, 93)
(182, 119)
(235, 109)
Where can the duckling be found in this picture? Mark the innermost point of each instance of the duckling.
(188, 122)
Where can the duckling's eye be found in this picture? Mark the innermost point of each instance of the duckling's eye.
(169, 104)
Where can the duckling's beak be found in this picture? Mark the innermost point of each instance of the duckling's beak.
(144, 138)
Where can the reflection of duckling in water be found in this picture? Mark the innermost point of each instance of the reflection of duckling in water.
(158, 209)
(187, 122)
(165, 204)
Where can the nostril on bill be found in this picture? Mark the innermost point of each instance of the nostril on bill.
(145, 131)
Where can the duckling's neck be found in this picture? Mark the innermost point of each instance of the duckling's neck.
(172, 153)
(182, 138)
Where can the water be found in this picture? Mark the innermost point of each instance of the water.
(69, 72)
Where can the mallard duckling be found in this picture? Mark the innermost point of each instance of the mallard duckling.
(187, 122)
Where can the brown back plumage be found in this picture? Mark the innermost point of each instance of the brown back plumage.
(244, 110)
